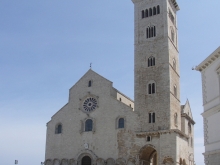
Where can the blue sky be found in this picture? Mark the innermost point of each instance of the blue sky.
(46, 46)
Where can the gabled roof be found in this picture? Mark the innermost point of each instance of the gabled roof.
(210, 59)
(186, 112)
(89, 71)
(123, 94)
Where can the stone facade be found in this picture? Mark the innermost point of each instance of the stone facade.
(210, 70)
(100, 125)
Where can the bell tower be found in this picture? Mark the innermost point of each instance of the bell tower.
(157, 87)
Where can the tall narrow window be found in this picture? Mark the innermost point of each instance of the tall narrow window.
(151, 61)
(58, 129)
(151, 32)
(154, 31)
(143, 14)
(151, 117)
(146, 13)
(90, 83)
(154, 11)
(151, 88)
(88, 125)
(175, 119)
(158, 9)
(175, 90)
(121, 123)
(148, 138)
(150, 12)
(189, 128)
(147, 31)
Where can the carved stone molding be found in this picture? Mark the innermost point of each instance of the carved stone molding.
(205, 126)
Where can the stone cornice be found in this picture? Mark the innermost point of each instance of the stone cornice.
(175, 4)
(211, 152)
(211, 111)
(160, 132)
(210, 59)
(188, 118)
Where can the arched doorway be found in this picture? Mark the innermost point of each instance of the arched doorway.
(86, 160)
(148, 155)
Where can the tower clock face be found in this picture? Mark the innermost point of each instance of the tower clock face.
(89, 104)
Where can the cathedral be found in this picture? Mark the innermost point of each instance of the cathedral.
(99, 125)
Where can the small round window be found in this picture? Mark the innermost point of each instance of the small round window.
(90, 104)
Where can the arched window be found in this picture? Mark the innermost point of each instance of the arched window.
(150, 12)
(150, 32)
(151, 88)
(181, 162)
(189, 128)
(142, 13)
(90, 83)
(184, 162)
(121, 123)
(154, 11)
(175, 90)
(151, 117)
(86, 160)
(58, 129)
(174, 64)
(146, 13)
(88, 125)
(158, 9)
(151, 61)
(175, 119)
